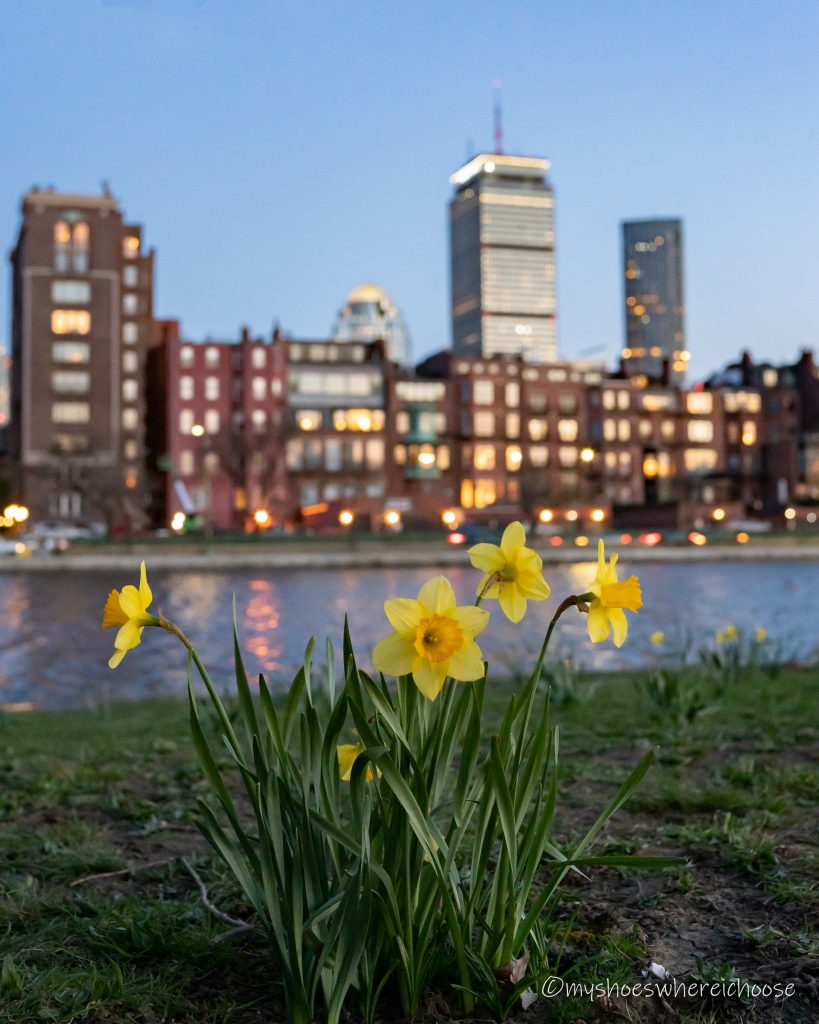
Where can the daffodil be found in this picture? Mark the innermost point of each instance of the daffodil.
(611, 596)
(719, 636)
(433, 639)
(128, 609)
(658, 638)
(731, 632)
(347, 754)
(512, 572)
(761, 635)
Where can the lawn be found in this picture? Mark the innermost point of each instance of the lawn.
(103, 917)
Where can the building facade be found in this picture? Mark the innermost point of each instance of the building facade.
(82, 310)
(654, 305)
(369, 314)
(502, 259)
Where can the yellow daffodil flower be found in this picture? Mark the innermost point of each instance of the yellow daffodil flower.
(347, 754)
(512, 572)
(658, 638)
(719, 636)
(731, 632)
(761, 635)
(433, 639)
(128, 609)
(611, 596)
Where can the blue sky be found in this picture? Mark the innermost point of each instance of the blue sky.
(280, 152)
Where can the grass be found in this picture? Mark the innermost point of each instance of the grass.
(112, 792)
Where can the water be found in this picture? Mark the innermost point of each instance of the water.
(54, 654)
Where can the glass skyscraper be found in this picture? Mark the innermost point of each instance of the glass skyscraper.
(369, 314)
(654, 305)
(502, 258)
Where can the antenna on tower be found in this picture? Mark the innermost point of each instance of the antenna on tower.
(496, 88)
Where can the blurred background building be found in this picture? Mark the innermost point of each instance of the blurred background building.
(369, 314)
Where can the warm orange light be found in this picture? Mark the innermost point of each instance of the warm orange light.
(790, 513)
(626, 538)
(456, 538)
(598, 515)
(197, 430)
(450, 517)
(718, 514)
(571, 515)
(426, 459)
(742, 537)
(697, 538)
(581, 541)
(346, 517)
(546, 515)
(651, 467)
(650, 538)
(261, 517)
(392, 518)
(587, 454)
(178, 522)
(556, 541)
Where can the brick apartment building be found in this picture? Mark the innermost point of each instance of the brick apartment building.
(82, 309)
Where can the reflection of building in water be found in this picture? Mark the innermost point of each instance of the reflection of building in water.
(262, 617)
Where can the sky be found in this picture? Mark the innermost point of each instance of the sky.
(279, 152)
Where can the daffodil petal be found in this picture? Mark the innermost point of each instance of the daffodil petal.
(129, 635)
(347, 754)
(112, 613)
(144, 590)
(601, 562)
(130, 602)
(394, 655)
(487, 589)
(619, 625)
(471, 620)
(528, 561)
(437, 595)
(429, 676)
(533, 586)
(486, 557)
(404, 614)
(598, 623)
(513, 539)
(116, 658)
(512, 602)
(466, 665)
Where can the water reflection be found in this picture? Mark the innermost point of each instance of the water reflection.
(54, 654)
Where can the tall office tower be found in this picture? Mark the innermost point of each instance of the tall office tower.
(502, 258)
(82, 306)
(654, 306)
(369, 314)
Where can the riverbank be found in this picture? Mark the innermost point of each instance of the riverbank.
(368, 554)
(103, 921)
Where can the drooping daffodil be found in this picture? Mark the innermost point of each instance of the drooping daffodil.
(513, 573)
(347, 754)
(761, 634)
(433, 638)
(128, 609)
(611, 597)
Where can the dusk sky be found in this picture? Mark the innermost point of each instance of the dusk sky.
(280, 152)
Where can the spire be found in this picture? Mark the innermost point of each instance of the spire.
(496, 88)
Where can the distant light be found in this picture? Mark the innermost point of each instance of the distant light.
(742, 537)
(450, 517)
(811, 517)
(556, 541)
(392, 518)
(346, 517)
(426, 458)
(586, 454)
(790, 513)
(581, 541)
(697, 538)
(20, 548)
(456, 538)
(178, 521)
(718, 514)
(626, 538)
(650, 538)
(489, 167)
(651, 467)
(261, 517)
(546, 515)
(197, 430)
(571, 515)
(598, 515)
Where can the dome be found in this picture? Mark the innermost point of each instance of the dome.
(370, 293)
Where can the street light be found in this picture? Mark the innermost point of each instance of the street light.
(598, 515)
(197, 430)
(450, 518)
(587, 454)
(346, 517)
(261, 517)
(392, 518)
(546, 515)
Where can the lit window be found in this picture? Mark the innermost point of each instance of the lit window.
(130, 390)
(700, 403)
(538, 454)
(131, 449)
(186, 356)
(76, 381)
(70, 321)
(70, 351)
(609, 399)
(442, 457)
(308, 419)
(624, 430)
(484, 456)
(130, 276)
(276, 387)
(402, 422)
(609, 430)
(514, 457)
(749, 432)
(567, 402)
(186, 421)
(701, 431)
(73, 442)
(130, 247)
(483, 392)
(130, 304)
(668, 430)
(512, 424)
(359, 419)
(512, 394)
(130, 362)
(211, 356)
(130, 419)
(485, 493)
(567, 456)
(623, 399)
(258, 358)
(70, 412)
(259, 420)
(211, 462)
(186, 388)
(700, 460)
(71, 291)
(258, 388)
(399, 455)
(130, 334)
(484, 424)
(211, 389)
(186, 462)
(467, 494)
(212, 421)
(567, 430)
(374, 452)
(538, 429)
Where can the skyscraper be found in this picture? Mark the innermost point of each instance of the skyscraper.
(502, 258)
(82, 308)
(369, 314)
(654, 304)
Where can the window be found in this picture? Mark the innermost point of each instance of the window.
(130, 276)
(70, 321)
(700, 460)
(258, 358)
(276, 387)
(512, 424)
(130, 304)
(211, 389)
(332, 455)
(567, 455)
(186, 421)
(70, 351)
(358, 419)
(130, 419)
(186, 462)
(538, 401)
(483, 392)
(668, 430)
(71, 291)
(186, 388)
(512, 394)
(131, 449)
(567, 430)
(399, 455)
(701, 431)
(71, 246)
(484, 424)
(130, 362)
(258, 419)
(308, 419)
(130, 334)
(402, 422)
(538, 429)
(749, 432)
(130, 390)
(211, 463)
(609, 399)
(73, 442)
(130, 247)
(258, 387)
(420, 390)
(70, 412)
(374, 453)
(212, 421)
(645, 428)
(77, 381)
(185, 355)
(700, 403)
(514, 457)
(484, 456)
(609, 430)
(485, 493)
(538, 454)
(623, 399)
(211, 356)
(567, 402)
(442, 456)
(624, 430)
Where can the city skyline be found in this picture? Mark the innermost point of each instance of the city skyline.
(235, 196)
